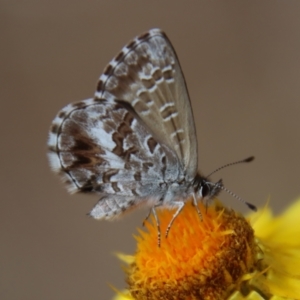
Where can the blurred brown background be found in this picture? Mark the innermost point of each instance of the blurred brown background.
(241, 60)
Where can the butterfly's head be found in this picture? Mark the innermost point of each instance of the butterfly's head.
(206, 189)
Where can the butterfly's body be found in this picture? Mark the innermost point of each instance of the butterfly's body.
(135, 142)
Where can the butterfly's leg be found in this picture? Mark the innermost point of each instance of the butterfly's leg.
(180, 205)
(196, 206)
(153, 211)
(157, 223)
(148, 215)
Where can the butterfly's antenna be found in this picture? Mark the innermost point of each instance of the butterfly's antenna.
(251, 206)
(246, 160)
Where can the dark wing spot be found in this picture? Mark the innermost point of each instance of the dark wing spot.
(168, 74)
(86, 189)
(118, 140)
(54, 128)
(88, 186)
(119, 57)
(81, 160)
(131, 45)
(137, 176)
(100, 86)
(144, 36)
(100, 100)
(78, 104)
(108, 174)
(148, 83)
(81, 145)
(157, 75)
(121, 104)
(128, 152)
(107, 70)
(168, 112)
(151, 144)
(124, 129)
(134, 192)
(147, 165)
(62, 114)
(128, 118)
(115, 187)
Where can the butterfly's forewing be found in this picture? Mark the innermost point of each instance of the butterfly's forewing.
(146, 74)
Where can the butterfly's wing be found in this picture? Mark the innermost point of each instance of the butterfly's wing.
(100, 146)
(135, 137)
(146, 74)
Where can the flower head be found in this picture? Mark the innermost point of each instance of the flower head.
(221, 257)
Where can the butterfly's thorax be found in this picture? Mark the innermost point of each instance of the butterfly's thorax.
(176, 191)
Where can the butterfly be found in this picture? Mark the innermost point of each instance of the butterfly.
(135, 142)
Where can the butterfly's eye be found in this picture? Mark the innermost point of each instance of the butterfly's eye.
(205, 190)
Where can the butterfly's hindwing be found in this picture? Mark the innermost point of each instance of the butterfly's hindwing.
(103, 148)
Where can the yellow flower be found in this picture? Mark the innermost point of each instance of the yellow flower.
(224, 256)
(279, 241)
